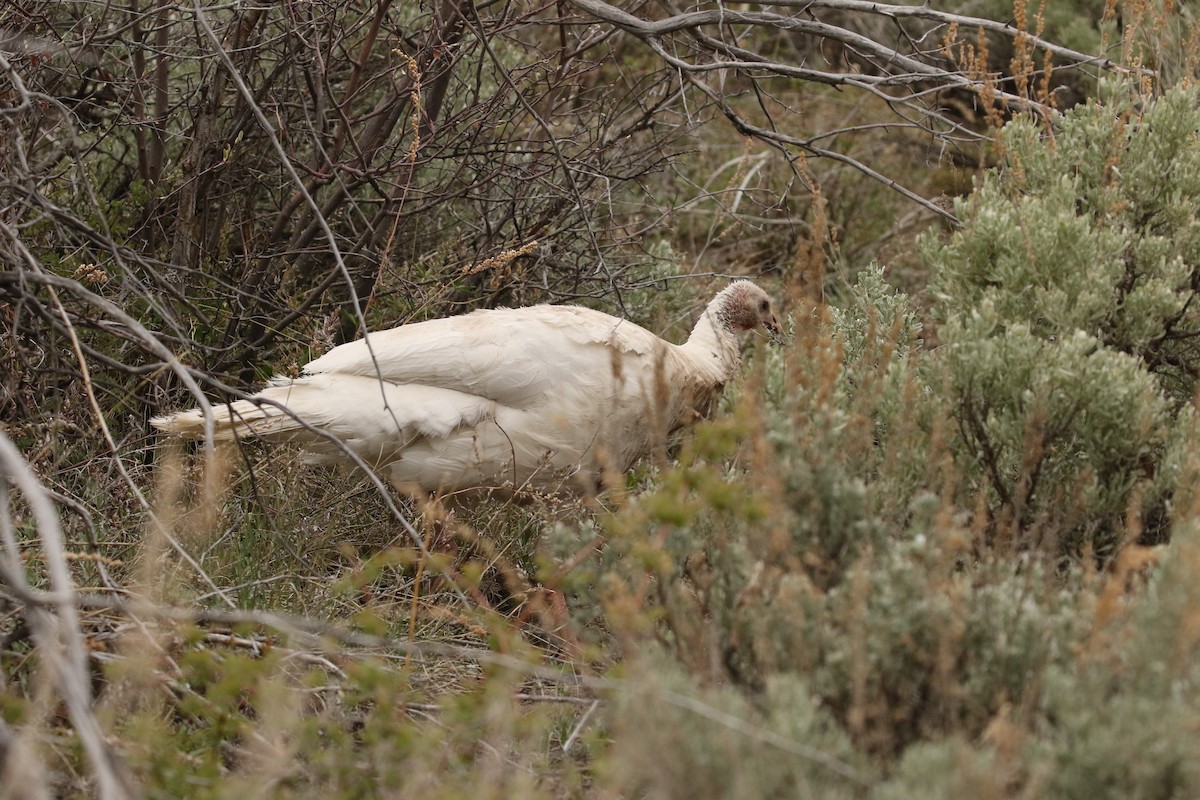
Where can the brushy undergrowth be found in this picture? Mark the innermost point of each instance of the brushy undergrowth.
(950, 551)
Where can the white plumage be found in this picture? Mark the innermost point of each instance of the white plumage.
(543, 396)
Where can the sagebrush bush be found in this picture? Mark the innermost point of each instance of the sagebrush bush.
(886, 530)
(1122, 721)
(1060, 430)
(1089, 226)
(838, 558)
(722, 744)
(1067, 308)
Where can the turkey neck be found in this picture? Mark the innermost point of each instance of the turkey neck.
(713, 343)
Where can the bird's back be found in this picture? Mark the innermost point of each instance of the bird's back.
(510, 355)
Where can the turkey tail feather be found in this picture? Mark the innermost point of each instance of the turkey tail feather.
(241, 418)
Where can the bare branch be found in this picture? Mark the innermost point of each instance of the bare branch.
(58, 632)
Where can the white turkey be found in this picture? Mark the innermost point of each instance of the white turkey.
(549, 396)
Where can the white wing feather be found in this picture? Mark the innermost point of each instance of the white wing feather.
(512, 355)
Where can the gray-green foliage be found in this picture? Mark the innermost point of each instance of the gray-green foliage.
(1122, 723)
(722, 745)
(1061, 429)
(916, 645)
(1089, 227)
(950, 769)
(1069, 314)
(831, 425)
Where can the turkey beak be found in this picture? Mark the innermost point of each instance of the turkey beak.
(775, 330)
